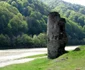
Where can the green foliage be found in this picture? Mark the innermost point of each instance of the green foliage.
(4, 41)
(24, 41)
(20, 18)
(40, 40)
(6, 13)
(33, 11)
(17, 25)
(74, 15)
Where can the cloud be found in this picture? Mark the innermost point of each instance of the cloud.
(81, 2)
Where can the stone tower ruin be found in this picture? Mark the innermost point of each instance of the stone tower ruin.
(56, 34)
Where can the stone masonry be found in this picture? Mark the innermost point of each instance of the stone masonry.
(56, 34)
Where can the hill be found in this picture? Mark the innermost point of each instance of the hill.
(20, 21)
(75, 15)
(23, 23)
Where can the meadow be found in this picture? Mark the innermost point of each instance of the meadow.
(73, 60)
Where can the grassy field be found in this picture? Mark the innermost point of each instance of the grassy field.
(74, 60)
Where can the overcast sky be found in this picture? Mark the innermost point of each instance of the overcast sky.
(81, 2)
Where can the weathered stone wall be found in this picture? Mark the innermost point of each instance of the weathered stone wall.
(57, 38)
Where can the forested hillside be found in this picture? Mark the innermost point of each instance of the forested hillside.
(23, 23)
(75, 16)
(20, 23)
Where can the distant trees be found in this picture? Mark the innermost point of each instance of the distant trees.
(40, 40)
(20, 22)
(74, 15)
(4, 41)
(23, 41)
(24, 22)
(35, 14)
(17, 25)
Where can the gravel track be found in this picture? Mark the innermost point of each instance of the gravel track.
(12, 56)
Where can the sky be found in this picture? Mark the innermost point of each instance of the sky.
(81, 2)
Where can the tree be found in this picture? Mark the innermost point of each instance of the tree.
(17, 25)
(43, 39)
(4, 41)
(26, 41)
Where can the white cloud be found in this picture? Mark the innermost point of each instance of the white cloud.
(81, 2)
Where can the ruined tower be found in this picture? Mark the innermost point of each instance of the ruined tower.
(56, 34)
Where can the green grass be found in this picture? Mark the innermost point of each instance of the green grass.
(74, 60)
(38, 64)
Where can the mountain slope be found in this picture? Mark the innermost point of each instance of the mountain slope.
(74, 14)
(35, 13)
(21, 22)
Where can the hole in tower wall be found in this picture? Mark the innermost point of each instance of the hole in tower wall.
(60, 35)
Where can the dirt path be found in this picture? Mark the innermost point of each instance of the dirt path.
(8, 57)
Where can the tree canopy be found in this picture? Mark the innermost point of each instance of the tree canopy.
(23, 23)
(74, 15)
